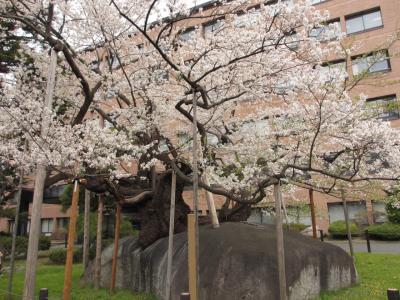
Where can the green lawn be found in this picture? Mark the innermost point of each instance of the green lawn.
(377, 272)
(52, 277)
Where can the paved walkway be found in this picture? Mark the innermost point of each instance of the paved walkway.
(376, 246)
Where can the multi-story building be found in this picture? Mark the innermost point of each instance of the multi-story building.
(372, 30)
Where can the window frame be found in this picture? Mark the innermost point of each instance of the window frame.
(49, 221)
(319, 2)
(361, 15)
(186, 31)
(389, 98)
(211, 23)
(366, 56)
(327, 23)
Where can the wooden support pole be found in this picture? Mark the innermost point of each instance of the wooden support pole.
(40, 178)
(210, 199)
(193, 285)
(211, 205)
(71, 241)
(171, 236)
(195, 198)
(14, 235)
(312, 208)
(279, 242)
(99, 234)
(346, 218)
(117, 231)
(86, 230)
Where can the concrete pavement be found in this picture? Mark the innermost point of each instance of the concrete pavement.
(361, 246)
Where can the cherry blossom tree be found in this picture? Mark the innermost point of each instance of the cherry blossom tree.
(268, 109)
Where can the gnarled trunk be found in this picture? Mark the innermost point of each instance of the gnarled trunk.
(155, 212)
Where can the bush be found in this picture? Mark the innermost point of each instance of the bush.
(44, 243)
(21, 245)
(387, 231)
(59, 255)
(393, 212)
(338, 229)
(295, 226)
(127, 228)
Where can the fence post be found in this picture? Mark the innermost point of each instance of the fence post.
(368, 242)
(185, 296)
(44, 294)
(321, 235)
(393, 294)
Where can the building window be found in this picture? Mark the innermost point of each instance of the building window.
(379, 212)
(250, 16)
(212, 139)
(163, 146)
(357, 212)
(386, 108)
(272, 2)
(372, 63)
(185, 140)
(364, 21)
(292, 41)
(335, 65)
(213, 26)
(63, 223)
(47, 226)
(331, 30)
(187, 34)
(313, 2)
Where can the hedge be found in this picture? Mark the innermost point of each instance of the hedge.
(59, 255)
(21, 245)
(386, 231)
(338, 229)
(295, 226)
(44, 243)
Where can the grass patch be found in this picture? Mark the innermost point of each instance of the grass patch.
(377, 272)
(52, 277)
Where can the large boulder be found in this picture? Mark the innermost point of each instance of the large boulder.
(237, 261)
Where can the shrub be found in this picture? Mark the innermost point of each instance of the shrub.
(44, 243)
(295, 226)
(21, 245)
(387, 231)
(338, 229)
(59, 255)
(393, 212)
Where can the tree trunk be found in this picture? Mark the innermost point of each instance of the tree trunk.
(154, 212)
(97, 262)
(41, 174)
(14, 236)
(279, 242)
(86, 230)
(71, 242)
